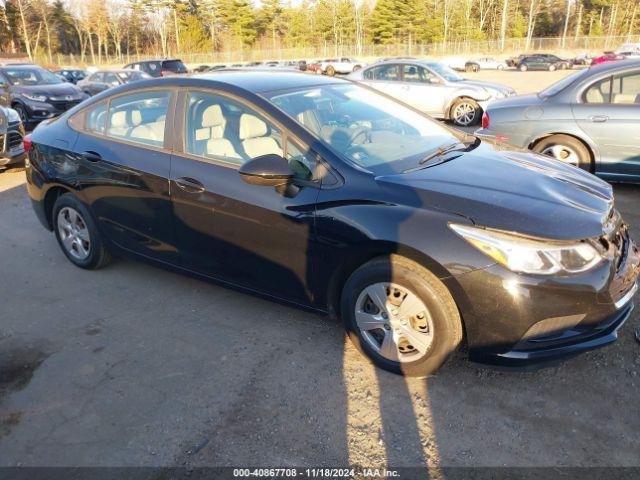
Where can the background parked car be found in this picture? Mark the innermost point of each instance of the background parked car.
(340, 65)
(590, 119)
(607, 57)
(583, 59)
(71, 75)
(104, 79)
(485, 63)
(201, 68)
(541, 62)
(36, 94)
(433, 88)
(11, 138)
(159, 68)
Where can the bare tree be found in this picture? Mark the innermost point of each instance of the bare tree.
(22, 7)
(503, 24)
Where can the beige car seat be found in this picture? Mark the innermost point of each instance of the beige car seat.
(253, 133)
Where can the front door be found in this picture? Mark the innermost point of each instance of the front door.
(249, 235)
(123, 167)
(423, 89)
(609, 113)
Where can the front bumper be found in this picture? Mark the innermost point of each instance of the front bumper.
(39, 111)
(517, 320)
(11, 147)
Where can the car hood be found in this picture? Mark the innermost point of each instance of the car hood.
(53, 90)
(514, 191)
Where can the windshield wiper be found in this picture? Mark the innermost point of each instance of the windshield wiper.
(461, 145)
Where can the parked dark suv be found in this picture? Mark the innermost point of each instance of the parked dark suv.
(35, 93)
(159, 68)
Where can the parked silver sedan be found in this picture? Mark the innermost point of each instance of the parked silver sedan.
(590, 119)
(433, 88)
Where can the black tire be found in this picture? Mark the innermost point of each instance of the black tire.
(477, 112)
(98, 256)
(442, 308)
(331, 71)
(22, 112)
(523, 68)
(572, 144)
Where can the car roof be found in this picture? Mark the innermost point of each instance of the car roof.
(257, 81)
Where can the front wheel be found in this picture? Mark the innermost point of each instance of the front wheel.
(523, 68)
(567, 149)
(77, 234)
(465, 112)
(552, 68)
(22, 113)
(401, 316)
(331, 71)
(356, 68)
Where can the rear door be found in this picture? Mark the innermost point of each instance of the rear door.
(609, 113)
(249, 235)
(123, 168)
(385, 78)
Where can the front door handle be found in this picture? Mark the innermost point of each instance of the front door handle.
(598, 118)
(190, 185)
(92, 156)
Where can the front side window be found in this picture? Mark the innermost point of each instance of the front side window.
(96, 77)
(139, 117)
(599, 92)
(416, 74)
(111, 79)
(364, 127)
(626, 88)
(220, 128)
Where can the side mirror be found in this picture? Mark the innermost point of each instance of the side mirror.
(269, 170)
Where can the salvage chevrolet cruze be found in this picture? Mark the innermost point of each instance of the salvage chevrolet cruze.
(328, 195)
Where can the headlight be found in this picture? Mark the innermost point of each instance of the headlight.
(531, 255)
(34, 97)
(12, 115)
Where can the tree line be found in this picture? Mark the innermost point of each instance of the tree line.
(96, 29)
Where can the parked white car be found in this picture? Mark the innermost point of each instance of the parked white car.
(457, 63)
(339, 65)
(433, 88)
(485, 63)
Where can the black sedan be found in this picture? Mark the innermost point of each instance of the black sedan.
(102, 80)
(71, 75)
(328, 195)
(543, 62)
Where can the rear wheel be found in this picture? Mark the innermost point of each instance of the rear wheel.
(523, 68)
(465, 112)
(552, 68)
(567, 149)
(500, 67)
(331, 71)
(356, 68)
(401, 316)
(77, 234)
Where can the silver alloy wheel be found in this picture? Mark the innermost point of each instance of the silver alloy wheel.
(464, 114)
(395, 322)
(74, 233)
(563, 153)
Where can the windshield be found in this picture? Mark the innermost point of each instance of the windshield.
(175, 66)
(445, 72)
(562, 84)
(368, 129)
(31, 76)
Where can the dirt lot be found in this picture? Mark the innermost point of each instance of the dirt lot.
(134, 365)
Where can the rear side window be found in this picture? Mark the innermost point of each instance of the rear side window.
(599, 92)
(151, 67)
(95, 118)
(139, 117)
(384, 72)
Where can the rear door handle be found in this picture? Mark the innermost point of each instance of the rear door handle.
(92, 156)
(598, 118)
(190, 185)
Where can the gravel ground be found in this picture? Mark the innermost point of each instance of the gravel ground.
(137, 366)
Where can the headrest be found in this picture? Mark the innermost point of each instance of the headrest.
(251, 127)
(212, 116)
(120, 120)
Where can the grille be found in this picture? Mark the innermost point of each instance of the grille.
(616, 238)
(65, 105)
(14, 140)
